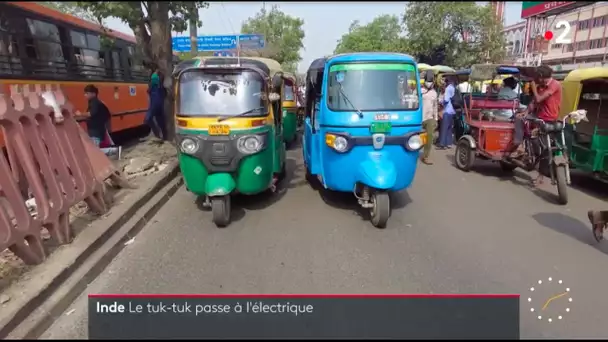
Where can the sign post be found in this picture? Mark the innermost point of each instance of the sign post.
(221, 43)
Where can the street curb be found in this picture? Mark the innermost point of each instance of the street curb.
(45, 279)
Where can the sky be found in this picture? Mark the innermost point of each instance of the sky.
(324, 22)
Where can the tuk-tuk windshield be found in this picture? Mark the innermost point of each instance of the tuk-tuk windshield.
(372, 87)
(223, 93)
(288, 92)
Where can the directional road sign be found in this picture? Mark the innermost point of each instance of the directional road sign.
(220, 43)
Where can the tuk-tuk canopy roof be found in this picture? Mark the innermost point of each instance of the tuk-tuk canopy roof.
(581, 75)
(463, 75)
(423, 66)
(266, 65)
(290, 76)
(480, 72)
(441, 69)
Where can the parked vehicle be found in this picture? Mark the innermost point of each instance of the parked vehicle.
(363, 126)
(290, 109)
(229, 129)
(587, 141)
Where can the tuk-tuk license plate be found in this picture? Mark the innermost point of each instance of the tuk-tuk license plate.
(380, 127)
(219, 129)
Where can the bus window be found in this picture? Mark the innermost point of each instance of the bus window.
(10, 63)
(87, 54)
(45, 48)
(136, 65)
(116, 67)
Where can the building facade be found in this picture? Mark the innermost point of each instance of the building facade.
(582, 42)
(516, 39)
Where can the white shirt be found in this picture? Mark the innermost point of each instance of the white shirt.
(429, 104)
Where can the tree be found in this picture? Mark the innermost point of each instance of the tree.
(71, 7)
(283, 34)
(462, 33)
(152, 23)
(382, 34)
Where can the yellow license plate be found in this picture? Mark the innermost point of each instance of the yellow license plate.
(219, 129)
(423, 137)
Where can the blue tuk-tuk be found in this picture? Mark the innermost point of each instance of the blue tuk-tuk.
(363, 126)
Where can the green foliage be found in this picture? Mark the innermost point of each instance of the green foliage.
(382, 34)
(463, 33)
(71, 7)
(284, 35)
(433, 32)
(131, 13)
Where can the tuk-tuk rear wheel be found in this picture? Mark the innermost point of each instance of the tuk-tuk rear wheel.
(220, 208)
(381, 210)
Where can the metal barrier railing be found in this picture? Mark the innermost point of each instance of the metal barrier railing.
(51, 162)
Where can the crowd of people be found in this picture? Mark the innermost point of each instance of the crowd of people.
(442, 102)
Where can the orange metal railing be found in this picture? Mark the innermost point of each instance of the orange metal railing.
(53, 162)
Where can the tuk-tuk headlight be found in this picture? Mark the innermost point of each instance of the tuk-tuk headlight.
(249, 144)
(338, 143)
(414, 142)
(189, 146)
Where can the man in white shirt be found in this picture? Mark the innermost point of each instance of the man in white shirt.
(429, 115)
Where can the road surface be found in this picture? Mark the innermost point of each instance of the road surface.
(452, 232)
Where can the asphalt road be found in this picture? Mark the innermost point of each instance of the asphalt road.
(452, 232)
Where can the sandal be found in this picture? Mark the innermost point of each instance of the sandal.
(426, 161)
(597, 225)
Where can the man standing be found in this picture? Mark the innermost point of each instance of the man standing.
(447, 121)
(155, 117)
(99, 115)
(429, 115)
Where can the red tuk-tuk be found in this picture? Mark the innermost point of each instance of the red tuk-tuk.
(491, 128)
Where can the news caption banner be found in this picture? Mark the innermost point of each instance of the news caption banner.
(303, 316)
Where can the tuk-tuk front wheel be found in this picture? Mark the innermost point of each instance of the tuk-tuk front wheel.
(465, 155)
(220, 208)
(380, 211)
(562, 185)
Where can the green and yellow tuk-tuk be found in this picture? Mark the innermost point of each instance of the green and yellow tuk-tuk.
(587, 141)
(229, 129)
(290, 108)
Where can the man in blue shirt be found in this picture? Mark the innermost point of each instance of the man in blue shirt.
(447, 122)
(156, 110)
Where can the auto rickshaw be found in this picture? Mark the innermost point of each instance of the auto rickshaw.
(229, 129)
(363, 126)
(290, 108)
(587, 141)
(491, 139)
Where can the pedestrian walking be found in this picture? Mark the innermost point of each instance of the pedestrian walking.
(155, 116)
(98, 113)
(451, 102)
(429, 114)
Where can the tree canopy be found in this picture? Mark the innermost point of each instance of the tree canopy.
(72, 8)
(284, 36)
(382, 34)
(152, 23)
(450, 33)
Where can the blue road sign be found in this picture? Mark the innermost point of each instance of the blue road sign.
(220, 43)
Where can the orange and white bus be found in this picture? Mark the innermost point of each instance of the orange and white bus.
(41, 47)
